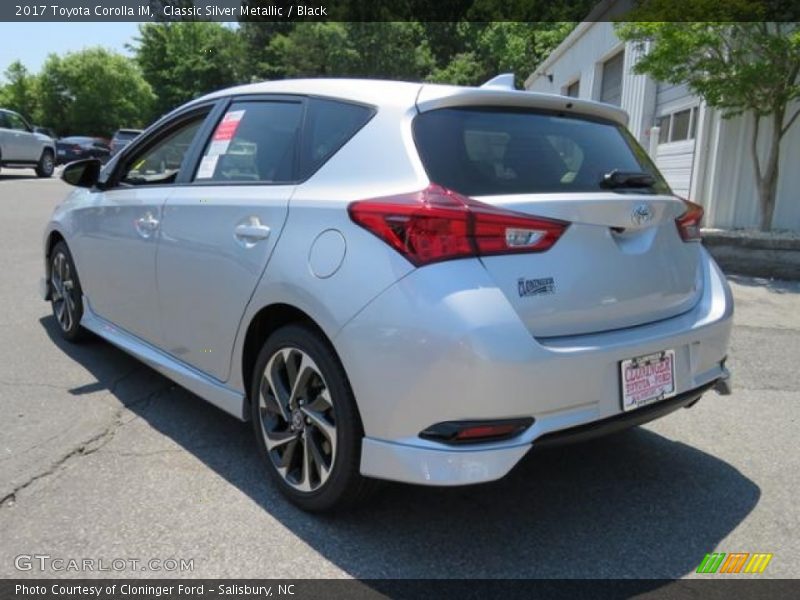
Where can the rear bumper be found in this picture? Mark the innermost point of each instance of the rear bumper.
(443, 344)
(622, 421)
(461, 465)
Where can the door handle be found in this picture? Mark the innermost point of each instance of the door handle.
(251, 231)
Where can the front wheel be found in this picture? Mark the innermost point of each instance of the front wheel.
(46, 164)
(66, 296)
(306, 422)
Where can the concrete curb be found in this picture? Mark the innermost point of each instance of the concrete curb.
(773, 256)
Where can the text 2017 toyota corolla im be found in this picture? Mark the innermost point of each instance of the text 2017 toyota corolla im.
(395, 280)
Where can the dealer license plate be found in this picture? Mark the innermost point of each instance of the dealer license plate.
(647, 379)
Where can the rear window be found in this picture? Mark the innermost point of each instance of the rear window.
(484, 152)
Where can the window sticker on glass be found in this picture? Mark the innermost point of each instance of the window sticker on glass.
(207, 166)
(225, 132)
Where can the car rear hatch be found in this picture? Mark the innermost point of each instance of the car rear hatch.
(621, 259)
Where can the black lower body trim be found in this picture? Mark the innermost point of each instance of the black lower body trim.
(622, 421)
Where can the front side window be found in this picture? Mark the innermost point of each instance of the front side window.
(16, 122)
(253, 142)
(486, 151)
(160, 163)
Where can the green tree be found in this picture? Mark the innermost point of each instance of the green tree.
(499, 47)
(92, 92)
(184, 60)
(740, 67)
(256, 37)
(19, 93)
(382, 49)
(460, 53)
(311, 49)
(397, 50)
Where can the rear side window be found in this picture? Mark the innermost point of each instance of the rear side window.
(329, 125)
(253, 142)
(484, 152)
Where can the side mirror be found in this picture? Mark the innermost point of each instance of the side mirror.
(82, 173)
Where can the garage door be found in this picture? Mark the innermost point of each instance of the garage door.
(676, 147)
(611, 82)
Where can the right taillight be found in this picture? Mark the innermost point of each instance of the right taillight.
(437, 224)
(689, 222)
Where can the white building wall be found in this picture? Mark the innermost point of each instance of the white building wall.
(579, 61)
(638, 95)
(732, 186)
(716, 169)
(583, 61)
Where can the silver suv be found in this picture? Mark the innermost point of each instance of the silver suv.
(21, 146)
(395, 280)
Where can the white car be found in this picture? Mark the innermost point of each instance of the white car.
(21, 146)
(395, 280)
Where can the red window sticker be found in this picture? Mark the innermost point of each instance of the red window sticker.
(224, 133)
(228, 126)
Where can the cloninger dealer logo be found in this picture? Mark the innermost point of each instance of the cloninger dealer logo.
(736, 562)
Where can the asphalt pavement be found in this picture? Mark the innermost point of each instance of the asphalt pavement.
(102, 458)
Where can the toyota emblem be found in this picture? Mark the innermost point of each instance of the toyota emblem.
(642, 214)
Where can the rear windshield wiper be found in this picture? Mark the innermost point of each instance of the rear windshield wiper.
(627, 179)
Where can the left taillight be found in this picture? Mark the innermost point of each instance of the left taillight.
(689, 222)
(437, 224)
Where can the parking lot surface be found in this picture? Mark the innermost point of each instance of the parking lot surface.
(102, 458)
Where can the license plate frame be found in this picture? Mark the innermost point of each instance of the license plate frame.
(655, 382)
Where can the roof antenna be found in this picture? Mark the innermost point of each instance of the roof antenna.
(501, 82)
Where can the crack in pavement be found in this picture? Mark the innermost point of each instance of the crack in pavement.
(177, 450)
(95, 442)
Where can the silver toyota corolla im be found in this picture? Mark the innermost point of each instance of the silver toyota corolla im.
(395, 280)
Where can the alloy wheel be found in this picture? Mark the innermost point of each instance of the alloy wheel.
(62, 290)
(297, 419)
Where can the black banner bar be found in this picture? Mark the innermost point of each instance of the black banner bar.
(395, 10)
(717, 588)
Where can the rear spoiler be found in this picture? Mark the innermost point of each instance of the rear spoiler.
(499, 91)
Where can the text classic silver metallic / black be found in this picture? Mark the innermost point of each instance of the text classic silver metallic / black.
(395, 280)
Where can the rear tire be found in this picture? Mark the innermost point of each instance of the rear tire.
(66, 296)
(306, 422)
(46, 164)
